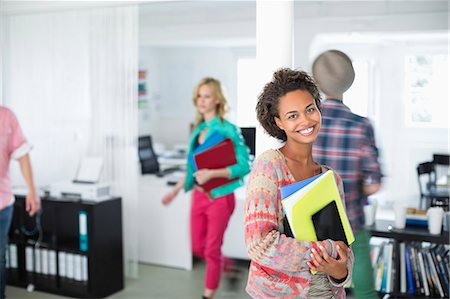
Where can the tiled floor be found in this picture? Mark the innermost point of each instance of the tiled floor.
(160, 283)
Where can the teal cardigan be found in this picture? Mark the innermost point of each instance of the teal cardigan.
(238, 170)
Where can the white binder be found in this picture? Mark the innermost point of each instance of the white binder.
(44, 261)
(84, 268)
(52, 262)
(62, 264)
(12, 256)
(77, 267)
(37, 260)
(69, 266)
(29, 259)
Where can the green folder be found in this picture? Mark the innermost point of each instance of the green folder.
(315, 212)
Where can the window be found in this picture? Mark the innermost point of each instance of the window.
(426, 92)
(357, 97)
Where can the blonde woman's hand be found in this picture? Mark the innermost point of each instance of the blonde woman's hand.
(323, 262)
(203, 175)
(169, 197)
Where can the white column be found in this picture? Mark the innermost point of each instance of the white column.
(274, 49)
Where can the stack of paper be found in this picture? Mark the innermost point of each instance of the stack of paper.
(314, 210)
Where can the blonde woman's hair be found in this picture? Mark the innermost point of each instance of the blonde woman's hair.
(214, 84)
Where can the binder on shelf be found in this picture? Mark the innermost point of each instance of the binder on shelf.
(415, 267)
(12, 263)
(29, 262)
(13, 260)
(389, 276)
(84, 269)
(434, 275)
(444, 275)
(52, 263)
(380, 268)
(314, 210)
(423, 275)
(83, 230)
(220, 155)
(77, 272)
(37, 260)
(433, 292)
(70, 273)
(402, 269)
(409, 274)
(44, 261)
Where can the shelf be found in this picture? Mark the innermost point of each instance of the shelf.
(410, 233)
(385, 229)
(101, 265)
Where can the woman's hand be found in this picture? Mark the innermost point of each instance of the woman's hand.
(169, 197)
(32, 203)
(203, 176)
(323, 262)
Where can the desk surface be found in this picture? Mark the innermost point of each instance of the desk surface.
(385, 229)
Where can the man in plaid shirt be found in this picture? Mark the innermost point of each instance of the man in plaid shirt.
(346, 143)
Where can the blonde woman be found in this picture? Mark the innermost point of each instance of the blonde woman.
(211, 211)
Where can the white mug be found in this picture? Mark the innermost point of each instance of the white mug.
(400, 216)
(369, 214)
(435, 216)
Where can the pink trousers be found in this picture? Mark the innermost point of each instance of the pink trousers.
(209, 220)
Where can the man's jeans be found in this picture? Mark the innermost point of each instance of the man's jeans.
(5, 222)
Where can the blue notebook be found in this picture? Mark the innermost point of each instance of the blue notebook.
(292, 188)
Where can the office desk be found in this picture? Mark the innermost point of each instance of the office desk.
(164, 232)
(234, 239)
(164, 235)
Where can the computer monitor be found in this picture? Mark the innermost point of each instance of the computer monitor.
(249, 134)
(147, 156)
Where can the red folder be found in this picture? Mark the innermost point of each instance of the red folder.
(219, 156)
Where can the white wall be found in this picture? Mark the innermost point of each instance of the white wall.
(401, 148)
(172, 73)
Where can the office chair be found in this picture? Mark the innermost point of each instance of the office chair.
(426, 176)
(147, 156)
(441, 165)
(441, 159)
(249, 134)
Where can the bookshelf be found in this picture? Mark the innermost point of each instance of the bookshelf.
(385, 229)
(80, 253)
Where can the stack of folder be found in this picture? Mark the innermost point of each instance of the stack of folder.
(314, 210)
(215, 153)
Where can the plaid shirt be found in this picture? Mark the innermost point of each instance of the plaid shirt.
(346, 143)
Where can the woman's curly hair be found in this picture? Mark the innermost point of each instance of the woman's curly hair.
(284, 81)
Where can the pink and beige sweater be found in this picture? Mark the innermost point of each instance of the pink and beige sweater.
(279, 266)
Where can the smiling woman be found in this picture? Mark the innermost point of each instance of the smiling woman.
(288, 109)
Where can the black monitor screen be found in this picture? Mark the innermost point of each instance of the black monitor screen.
(249, 137)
